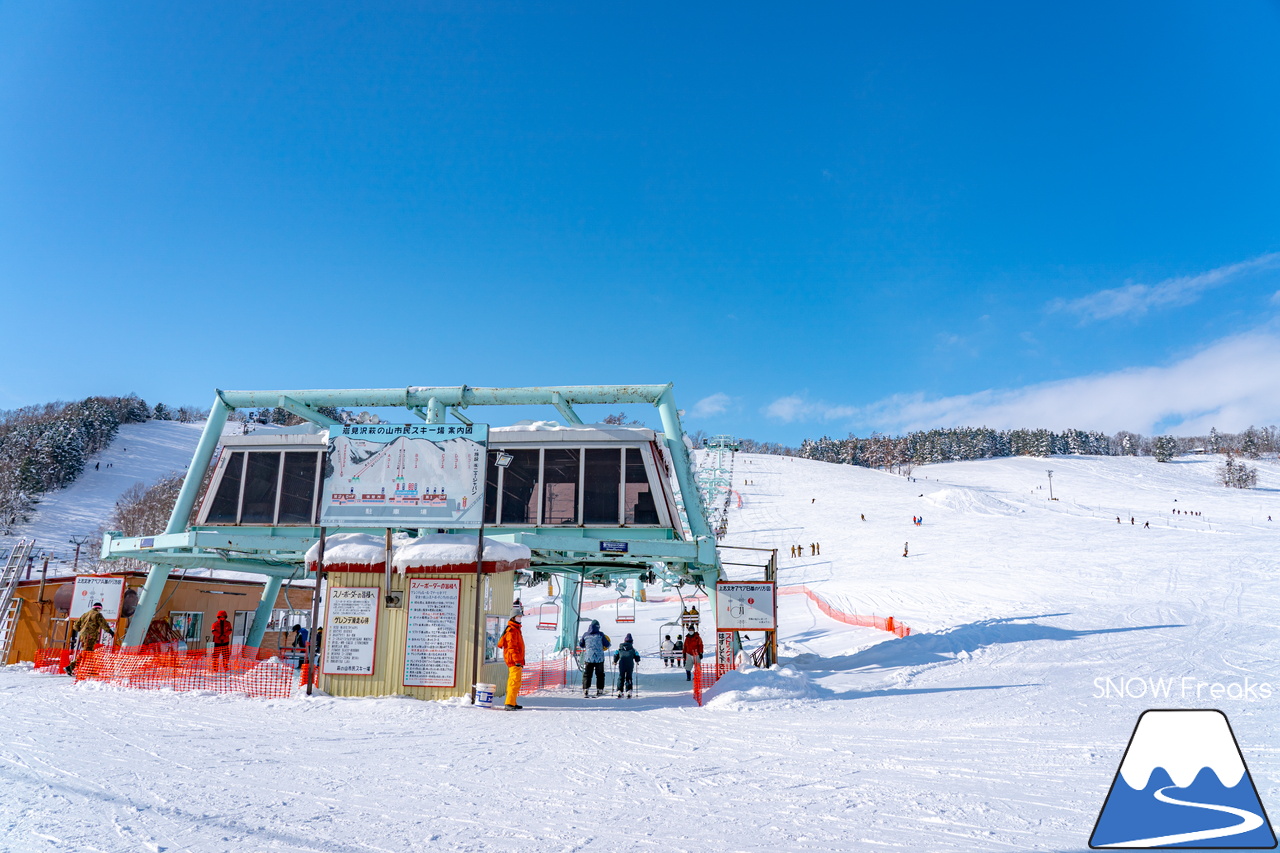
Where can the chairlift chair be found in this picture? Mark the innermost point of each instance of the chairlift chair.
(669, 629)
(626, 612)
(549, 611)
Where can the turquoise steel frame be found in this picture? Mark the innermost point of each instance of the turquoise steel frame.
(277, 552)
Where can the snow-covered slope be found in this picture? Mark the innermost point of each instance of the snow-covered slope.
(140, 453)
(1041, 630)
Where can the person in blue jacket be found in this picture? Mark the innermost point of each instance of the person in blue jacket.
(594, 644)
(626, 658)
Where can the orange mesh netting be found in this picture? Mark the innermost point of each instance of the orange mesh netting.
(884, 623)
(242, 670)
(545, 674)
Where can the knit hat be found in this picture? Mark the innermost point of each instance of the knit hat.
(222, 614)
(517, 609)
(97, 605)
(595, 623)
(627, 639)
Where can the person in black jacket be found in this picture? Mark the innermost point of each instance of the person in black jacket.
(626, 658)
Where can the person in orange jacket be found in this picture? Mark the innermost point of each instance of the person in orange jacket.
(221, 642)
(512, 645)
(692, 653)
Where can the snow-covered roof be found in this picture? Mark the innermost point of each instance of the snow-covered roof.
(544, 431)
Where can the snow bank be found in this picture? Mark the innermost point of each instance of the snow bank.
(437, 549)
(739, 690)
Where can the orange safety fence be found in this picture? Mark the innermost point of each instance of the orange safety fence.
(546, 674)
(247, 671)
(883, 623)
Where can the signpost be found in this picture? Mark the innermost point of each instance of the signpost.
(91, 589)
(351, 631)
(405, 475)
(431, 638)
(745, 606)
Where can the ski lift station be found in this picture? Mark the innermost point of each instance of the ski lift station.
(418, 529)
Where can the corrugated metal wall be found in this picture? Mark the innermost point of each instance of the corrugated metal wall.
(388, 666)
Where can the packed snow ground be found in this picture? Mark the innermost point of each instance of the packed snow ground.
(987, 729)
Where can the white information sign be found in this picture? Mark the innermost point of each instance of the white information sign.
(394, 475)
(90, 589)
(745, 606)
(431, 640)
(351, 630)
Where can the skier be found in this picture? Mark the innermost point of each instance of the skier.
(512, 645)
(692, 654)
(88, 629)
(593, 645)
(904, 548)
(864, 516)
(817, 548)
(221, 632)
(1147, 525)
(668, 649)
(626, 658)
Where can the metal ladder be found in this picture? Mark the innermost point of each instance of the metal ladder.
(10, 604)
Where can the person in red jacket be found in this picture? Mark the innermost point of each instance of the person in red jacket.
(692, 653)
(512, 645)
(221, 642)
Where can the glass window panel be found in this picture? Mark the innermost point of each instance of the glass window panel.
(261, 477)
(600, 490)
(560, 472)
(638, 499)
(297, 495)
(491, 489)
(519, 488)
(227, 499)
(187, 624)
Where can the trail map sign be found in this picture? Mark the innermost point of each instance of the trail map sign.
(745, 606)
(431, 638)
(392, 475)
(90, 589)
(351, 630)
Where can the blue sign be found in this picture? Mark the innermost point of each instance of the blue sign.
(613, 547)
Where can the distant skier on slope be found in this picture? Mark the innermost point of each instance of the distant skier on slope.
(904, 548)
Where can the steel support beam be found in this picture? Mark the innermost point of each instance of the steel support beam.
(569, 621)
(305, 412)
(262, 615)
(563, 407)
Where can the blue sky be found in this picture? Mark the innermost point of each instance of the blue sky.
(835, 218)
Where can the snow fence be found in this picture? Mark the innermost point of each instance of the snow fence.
(242, 670)
(884, 623)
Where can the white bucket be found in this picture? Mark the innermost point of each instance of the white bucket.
(484, 695)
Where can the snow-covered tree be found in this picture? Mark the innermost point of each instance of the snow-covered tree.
(1165, 448)
(1237, 475)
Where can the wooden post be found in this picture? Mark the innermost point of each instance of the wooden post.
(315, 614)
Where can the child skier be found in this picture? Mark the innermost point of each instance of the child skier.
(626, 658)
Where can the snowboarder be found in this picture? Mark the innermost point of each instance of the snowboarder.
(904, 548)
(221, 632)
(97, 466)
(512, 645)
(692, 654)
(1117, 519)
(668, 651)
(817, 549)
(593, 645)
(864, 516)
(626, 658)
(88, 630)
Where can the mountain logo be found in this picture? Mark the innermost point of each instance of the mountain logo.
(1182, 783)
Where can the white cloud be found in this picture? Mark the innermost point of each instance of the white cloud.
(797, 407)
(1137, 299)
(1230, 384)
(713, 405)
